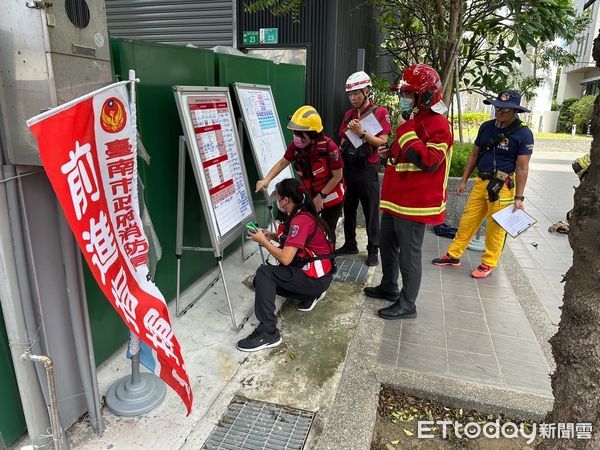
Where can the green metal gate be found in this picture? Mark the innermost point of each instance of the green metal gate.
(159, 67)
(12, 422)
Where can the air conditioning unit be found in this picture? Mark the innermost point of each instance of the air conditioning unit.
(50, 52)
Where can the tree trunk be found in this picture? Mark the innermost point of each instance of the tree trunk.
(576, 345)
(451, 49)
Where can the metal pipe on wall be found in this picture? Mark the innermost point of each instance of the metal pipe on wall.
(97, 420)
(54, 416)
(32, 399)
(76, 297)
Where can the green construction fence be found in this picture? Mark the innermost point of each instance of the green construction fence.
(159, 67)
(12, 422)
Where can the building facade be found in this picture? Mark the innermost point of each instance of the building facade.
(583, 77)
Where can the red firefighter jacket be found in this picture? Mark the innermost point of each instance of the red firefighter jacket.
(313, 166)
(416, 174)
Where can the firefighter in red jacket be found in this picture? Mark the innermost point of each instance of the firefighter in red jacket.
(414, 188)
(318, 163)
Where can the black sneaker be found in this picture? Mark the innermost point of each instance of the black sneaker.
(347, 250)
(446, 260)
(372, 259)
(309, 305)
(377, 292)
(259, 341)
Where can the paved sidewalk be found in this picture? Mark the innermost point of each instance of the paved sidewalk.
(466, 329)
(545, 256)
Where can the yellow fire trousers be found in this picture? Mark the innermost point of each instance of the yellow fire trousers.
(478, 208)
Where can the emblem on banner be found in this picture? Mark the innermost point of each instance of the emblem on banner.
(113, 116)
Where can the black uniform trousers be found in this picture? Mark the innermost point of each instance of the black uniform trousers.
(286, 281)
(401, 254)
(362, 185)
(331, 215)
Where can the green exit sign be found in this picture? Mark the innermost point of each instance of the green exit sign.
(250, 37)
(269, 36)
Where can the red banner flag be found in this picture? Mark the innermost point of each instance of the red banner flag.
(89, 152)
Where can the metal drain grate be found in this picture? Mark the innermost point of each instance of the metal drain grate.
(351, 271)
(252, 425)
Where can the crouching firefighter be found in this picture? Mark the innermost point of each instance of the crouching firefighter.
(306, 263)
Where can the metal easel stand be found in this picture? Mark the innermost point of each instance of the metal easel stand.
(180, 248)
(138, 393)
(478, 242)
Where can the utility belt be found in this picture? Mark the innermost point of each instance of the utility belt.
(496, 181)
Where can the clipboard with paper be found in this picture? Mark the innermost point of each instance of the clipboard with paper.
(370, 124)
(514, 222)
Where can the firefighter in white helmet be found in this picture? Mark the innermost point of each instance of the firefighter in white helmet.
(359, 151)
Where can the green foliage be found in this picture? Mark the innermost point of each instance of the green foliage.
(582, 111)
(470, 125)
(383, 96)
(565, 116)
(275, 7)
(471, 120)
(487, 38)
(460, 156)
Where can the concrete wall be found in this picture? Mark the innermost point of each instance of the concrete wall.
(569, 86)
(571, 76)
(543, 121)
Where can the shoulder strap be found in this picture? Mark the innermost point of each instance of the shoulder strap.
(369, 110)
(495, 141)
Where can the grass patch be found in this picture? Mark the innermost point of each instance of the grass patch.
(469, 135)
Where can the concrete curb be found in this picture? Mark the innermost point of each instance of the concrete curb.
(355, 407)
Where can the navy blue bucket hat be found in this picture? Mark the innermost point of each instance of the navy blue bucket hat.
(507, 99)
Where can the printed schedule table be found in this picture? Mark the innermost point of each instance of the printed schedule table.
(221, 164)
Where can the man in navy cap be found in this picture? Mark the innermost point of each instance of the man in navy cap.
(501, 155)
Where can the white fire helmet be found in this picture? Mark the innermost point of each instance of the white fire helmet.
(358, 80)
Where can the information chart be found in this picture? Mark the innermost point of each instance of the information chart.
(262, 123)
(216, 158)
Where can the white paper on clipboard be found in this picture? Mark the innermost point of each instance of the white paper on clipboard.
(514, 222)
(369, 124)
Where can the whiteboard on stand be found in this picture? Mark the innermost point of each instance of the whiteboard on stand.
(264, 130)
(217, 160)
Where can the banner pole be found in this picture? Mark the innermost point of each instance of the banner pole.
(135, 340)
(139, 393)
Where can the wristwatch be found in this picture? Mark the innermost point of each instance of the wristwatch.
(519, 197)
(362, 135)
(323, 196)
